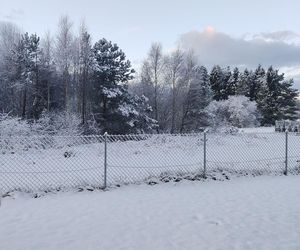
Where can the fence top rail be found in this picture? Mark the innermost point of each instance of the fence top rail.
(144, 135)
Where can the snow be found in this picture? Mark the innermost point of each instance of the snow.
(112, 93)
(258, 130)
(244, 213)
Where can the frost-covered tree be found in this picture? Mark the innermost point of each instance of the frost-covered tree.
(115, 109)
(26, 60)
(198, 98)
(217, 83)
(9, 37)
(63, 57)
(277, 99)
(233, 81)
(86, 62)
(237, 111)
(255, 83)
(174, 73)
(151, 77)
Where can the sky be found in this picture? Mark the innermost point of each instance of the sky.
(227, 32)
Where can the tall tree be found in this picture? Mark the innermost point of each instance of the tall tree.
(277, 98)
(111, 73)
(9, 37)
(63, 54)
(174, 66)
(198, 98)
(25, 56)
(151, 77)
(86, 64)
(233, 81)
(217, 82)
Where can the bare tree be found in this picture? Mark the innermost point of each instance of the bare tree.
(48, 63)
(10, 35)
(63, 54)
(190, 64)
(175, 63)
(152, 71)
(85, 62)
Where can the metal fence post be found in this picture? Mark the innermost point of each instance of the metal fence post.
(286, 152)
(204, 155)
(105, 160)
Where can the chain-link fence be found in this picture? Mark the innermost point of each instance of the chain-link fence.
(51, 162)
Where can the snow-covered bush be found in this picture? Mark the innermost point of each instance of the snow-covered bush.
(50, 123)
(58, 123)
(13, 126)
(237, 111)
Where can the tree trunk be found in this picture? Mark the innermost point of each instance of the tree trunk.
(24, 103)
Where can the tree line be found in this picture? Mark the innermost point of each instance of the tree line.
(67, 73)
(170, 93)
(180, 90)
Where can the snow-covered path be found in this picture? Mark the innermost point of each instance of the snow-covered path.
(245, 213)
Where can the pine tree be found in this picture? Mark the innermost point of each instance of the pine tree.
(198, 98)
(226, 91)
(277, 98)
(85, 65)
(233, 82)
(255, 83)
(244, 82)
(115, 109)
(26, 60)
(217, 82)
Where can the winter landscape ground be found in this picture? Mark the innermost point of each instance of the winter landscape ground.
(244, 213)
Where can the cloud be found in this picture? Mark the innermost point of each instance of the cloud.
(280, 49)
(214, 47)
(283, 35)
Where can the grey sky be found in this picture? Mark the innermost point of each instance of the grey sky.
(244, 32)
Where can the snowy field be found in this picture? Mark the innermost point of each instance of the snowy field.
(244, 213)
(41, 163)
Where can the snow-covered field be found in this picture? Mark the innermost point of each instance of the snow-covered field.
(32, 164)
(244, 213)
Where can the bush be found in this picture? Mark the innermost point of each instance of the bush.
(50, 123)
(237, 111)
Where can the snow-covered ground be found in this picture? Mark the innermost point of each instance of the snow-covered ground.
(258, 130)
(244, 213)
(32, 164)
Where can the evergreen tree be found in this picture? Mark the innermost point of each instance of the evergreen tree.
(198, 98)
(226, 91)
(277, 98)
(26, 60)
(216, 82)
(244, 82)
(233, 82)
(255, 83)
(115, 110)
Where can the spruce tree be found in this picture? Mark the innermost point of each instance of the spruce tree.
(276, 99)
(198, 98)
(255, 83)
(217, 82)
(233, 82)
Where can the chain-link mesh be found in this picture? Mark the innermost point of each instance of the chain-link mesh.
(50, 162)
(47, 163)
(254, 153)
(136, 158)
(293, 153)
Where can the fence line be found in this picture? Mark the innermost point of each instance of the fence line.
(50, 162)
